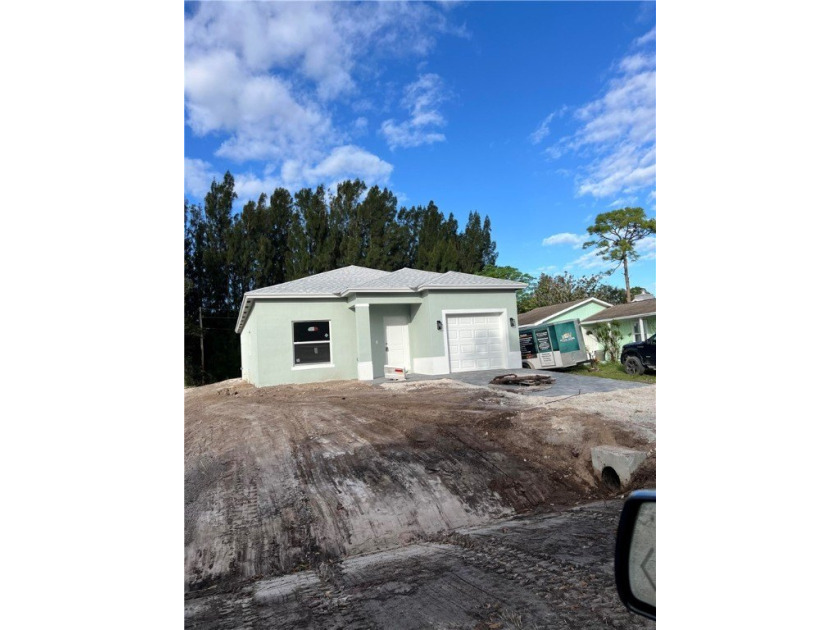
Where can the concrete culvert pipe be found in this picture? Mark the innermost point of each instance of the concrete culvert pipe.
(616, 464)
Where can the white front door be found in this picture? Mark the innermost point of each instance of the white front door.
(476, 342)
(396, 341)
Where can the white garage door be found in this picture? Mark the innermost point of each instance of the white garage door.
(475, 342)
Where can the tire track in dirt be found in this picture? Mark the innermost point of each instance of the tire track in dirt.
(549, 571)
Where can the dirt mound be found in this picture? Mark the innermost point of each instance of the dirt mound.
(290, 478)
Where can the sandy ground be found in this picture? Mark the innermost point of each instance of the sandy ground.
(339, 505)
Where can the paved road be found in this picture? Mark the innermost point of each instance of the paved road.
(564, 385)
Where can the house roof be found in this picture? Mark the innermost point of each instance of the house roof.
(541, 314)
(643, 308)
(405, 278)
(457, 280)
(341, 282)
(327, 284)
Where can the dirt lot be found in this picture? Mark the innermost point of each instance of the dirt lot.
(344, 504)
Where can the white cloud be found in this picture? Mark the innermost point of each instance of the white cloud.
(263, 117)
(623, 202)
(647, 38)
(321, 42)
(618, 130)
(422, 99)
(264, 76)
(250, 186)
(565, 238)
(623, 170)
(543, 130)
(626, 112)
(360, 125)
(636, 63)
(589, 260)
(556, 150)
(198, 175)
(646, 248)
(345, 162)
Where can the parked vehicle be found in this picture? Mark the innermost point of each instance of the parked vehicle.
(635, 553)
(555, 345)
(639, 356)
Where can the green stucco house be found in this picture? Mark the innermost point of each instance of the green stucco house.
(637, 320)
(351, 323)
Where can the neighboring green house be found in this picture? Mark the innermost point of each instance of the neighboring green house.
(577, 309)
(637, 320)
(350, 323)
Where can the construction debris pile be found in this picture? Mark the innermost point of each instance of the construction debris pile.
(529, 380)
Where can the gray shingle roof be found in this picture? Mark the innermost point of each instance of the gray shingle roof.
(458, 279)
(645, 307)
(353, 278)
(405, 278)
(329, 282)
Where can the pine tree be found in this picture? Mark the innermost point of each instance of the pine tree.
(274, 251)
(218, 208)
(471, 245)
(488, 245)
(381, 231)
(347, 228)
(406, 237)
(318, 255)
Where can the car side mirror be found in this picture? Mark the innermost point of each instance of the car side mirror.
(635, 554)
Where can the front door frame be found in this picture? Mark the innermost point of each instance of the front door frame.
(403, 321)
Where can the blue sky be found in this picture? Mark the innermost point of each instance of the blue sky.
(539, 115)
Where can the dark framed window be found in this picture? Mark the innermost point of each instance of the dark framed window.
(311, 342)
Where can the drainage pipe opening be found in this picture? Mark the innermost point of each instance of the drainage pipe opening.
(610, 478)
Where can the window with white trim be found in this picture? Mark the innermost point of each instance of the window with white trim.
(637, 332)
(311, 342)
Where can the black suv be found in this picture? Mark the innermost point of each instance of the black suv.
(638, 356)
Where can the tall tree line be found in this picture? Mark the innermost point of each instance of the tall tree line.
(289, 236)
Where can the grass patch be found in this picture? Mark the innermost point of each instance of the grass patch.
(612, 370)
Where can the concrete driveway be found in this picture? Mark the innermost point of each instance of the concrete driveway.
(564, 384)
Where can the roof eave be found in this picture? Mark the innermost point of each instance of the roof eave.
(375, 290)
(247, 299)
(288, 296)
(243, 318)
(483, 287)
(613, 319)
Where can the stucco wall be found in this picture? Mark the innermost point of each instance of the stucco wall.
(580, 312)
(248, 344)
(272, 361)
(430, 350)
